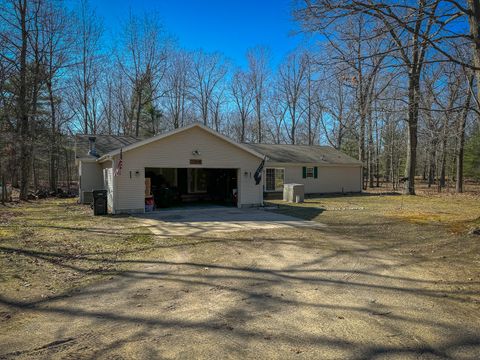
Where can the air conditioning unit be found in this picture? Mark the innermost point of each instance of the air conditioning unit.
(293, 192)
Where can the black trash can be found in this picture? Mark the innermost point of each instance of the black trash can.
(99, 202)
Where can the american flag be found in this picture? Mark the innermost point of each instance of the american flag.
(118, 170)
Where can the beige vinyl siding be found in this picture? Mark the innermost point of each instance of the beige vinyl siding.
(176, 151)
(331, 179)
(91, 177)
(108, 185)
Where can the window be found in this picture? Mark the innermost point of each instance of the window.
(274, 179)
(197, 181)
(309, 172)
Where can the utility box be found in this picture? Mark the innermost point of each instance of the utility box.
(99, 202)
(293, 192)
(87, 197)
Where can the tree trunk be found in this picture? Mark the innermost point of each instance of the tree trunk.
(259, 118)
(443, 164)
(138, 112)
(443, 169)
(294, 125)
(370, 151)
(461, 142)
(53, 139)
(85, 93)
(411, 164)
(4, 193)
(22, 106)
(361, 147)
(35, 173)
(431, 163)
(377, 154)
(242, 132)
(67, 169)
(474, 21)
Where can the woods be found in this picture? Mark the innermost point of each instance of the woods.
(392, 83)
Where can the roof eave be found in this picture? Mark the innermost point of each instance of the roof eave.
(297, 163)
(86, 159)
(176, 131)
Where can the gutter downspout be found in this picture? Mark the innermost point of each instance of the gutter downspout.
(114, 184)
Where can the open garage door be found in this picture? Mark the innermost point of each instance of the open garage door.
(179, 186)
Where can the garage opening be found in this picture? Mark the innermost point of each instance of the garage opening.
(169, 187)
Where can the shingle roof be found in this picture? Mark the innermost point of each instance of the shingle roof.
(304, 154)
(281, 153)
(103, 144)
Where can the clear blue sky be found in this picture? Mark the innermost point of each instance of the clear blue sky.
(230, 27)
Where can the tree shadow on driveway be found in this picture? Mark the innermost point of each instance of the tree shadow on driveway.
(305, 293)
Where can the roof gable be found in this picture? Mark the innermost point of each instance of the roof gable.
(176, 131)
(110, 145)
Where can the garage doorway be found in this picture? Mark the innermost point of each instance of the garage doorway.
(170, 187)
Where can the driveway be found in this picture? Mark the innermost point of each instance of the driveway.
(279, 288)
(206, 221)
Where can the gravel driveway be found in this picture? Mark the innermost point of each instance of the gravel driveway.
(277, 288)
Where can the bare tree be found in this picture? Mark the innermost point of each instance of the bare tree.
(276, 110)
(21, 12)
(243, 97)
(292, 75)
(462, 121)
(22, 37)
(219, 101)
(58, 43)
(338, 106)
(177, 87)
(412, 27)
(87, 71)
(207, 73)
(311, 101)
(258, 71)
(144, 64)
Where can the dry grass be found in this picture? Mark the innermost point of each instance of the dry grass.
(386, 278)
(50, 246)
(442, 209)
(436, 226)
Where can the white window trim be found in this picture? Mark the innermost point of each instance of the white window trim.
(312, 174)
(265, 174)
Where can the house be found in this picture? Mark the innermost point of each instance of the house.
(197, 163)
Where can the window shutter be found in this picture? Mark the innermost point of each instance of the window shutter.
(304, 172)
(315, 172)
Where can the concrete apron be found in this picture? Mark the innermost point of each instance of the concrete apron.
(209, 221)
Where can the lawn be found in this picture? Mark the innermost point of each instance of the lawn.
(435, 226)
(387, 276)
(51, 246)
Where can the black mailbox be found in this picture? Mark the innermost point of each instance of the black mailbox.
(99, 202)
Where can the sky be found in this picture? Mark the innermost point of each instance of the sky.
(230, 27)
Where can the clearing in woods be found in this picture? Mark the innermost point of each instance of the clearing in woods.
(384, 276)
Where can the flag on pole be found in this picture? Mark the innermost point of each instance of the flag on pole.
(118, 170)
(258, 173)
